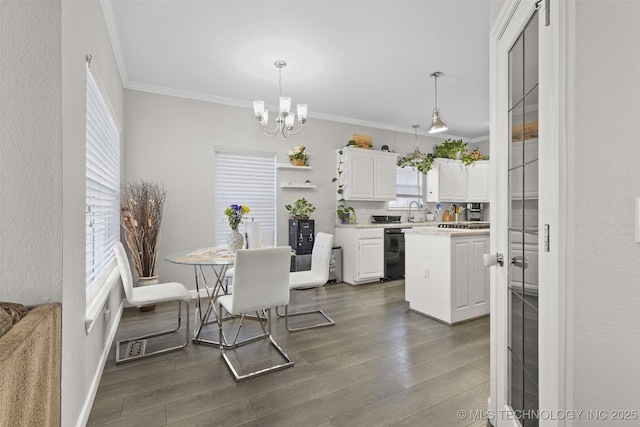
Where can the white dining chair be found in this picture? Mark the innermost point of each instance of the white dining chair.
(147, 295)
(261, 281)
(317, 276)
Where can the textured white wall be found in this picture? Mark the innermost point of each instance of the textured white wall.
(606, 292)
(171, 140)
(30, 153)
(84, 32)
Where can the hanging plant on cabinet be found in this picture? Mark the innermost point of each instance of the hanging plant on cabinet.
(345, 213)
(419, 160)
(449, 149)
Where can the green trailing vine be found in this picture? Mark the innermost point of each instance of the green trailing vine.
(343, 211)
(419, 160)
(449, 149)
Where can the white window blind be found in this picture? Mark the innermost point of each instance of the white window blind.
(408, 187)
(102, 189)
(245, 178)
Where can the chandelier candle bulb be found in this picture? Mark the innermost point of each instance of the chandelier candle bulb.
(258, 109)
(288, 121)
(302, 112)
(285, 105)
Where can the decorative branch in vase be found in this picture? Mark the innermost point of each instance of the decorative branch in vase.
(142, 211)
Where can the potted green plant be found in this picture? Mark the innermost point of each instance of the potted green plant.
(301, 209)
(450, 149)
(299, 155)
(344, 212)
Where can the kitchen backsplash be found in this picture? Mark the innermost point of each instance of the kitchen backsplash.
(364, 211)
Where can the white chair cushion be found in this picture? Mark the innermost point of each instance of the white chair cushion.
(155, 294)
(305, 279)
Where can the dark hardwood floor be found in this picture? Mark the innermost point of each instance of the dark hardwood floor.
(380, 365)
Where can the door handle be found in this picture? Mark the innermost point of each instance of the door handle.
(520, 261)
(489, 260)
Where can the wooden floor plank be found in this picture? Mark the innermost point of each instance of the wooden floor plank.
(381, 364)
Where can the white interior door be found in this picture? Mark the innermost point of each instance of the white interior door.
(526, 301)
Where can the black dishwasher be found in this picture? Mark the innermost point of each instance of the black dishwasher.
(393, 254)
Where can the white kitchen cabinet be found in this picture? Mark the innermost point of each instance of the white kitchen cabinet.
(452, 181)
(444, 276)
(447, 181)
(362, 254)
(368, 174)
(478, 181)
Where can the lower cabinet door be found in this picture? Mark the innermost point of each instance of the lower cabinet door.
(370, 259)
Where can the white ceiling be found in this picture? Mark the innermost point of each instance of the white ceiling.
(361, 62)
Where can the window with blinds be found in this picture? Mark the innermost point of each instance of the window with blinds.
(102, 189)
(245, 178)
(409, 185)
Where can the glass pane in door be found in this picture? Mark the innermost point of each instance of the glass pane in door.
(523, 224)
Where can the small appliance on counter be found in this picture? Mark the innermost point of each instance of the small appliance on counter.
(385, 219)
(474, 211)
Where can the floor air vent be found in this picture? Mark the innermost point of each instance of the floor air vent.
(135, 348)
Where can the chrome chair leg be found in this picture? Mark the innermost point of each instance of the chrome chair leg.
(288, 362)
(120, 360)
(328, 321)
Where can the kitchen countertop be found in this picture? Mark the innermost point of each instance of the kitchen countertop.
(452, 232)
(425, 228)
(390, 225)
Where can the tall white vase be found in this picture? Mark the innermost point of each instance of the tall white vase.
(235, 241)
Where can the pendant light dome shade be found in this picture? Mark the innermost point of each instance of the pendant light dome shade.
(437, 125)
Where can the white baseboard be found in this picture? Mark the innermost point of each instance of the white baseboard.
(95, 383)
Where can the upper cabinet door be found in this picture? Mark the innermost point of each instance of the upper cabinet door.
(359, 175)
(453, 181)
(478, 181)
(385, 177)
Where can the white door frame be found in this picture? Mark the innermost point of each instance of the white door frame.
(555, 97)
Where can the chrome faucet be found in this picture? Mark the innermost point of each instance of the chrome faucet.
(409, 216)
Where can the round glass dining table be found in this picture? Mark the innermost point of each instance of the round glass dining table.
(219, 259)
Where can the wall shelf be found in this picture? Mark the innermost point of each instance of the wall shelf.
(294, 185)
(288, 166)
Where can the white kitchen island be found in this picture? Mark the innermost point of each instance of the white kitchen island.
(444, 275)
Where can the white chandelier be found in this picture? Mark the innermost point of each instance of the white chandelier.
(285, 120)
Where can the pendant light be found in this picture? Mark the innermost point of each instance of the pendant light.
(437, 125)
